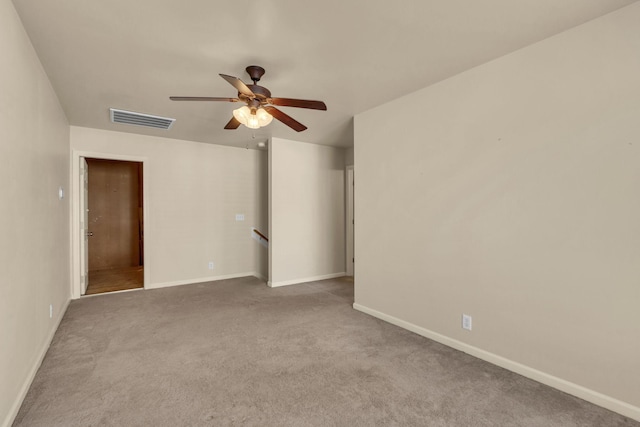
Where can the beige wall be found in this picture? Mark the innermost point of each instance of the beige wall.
(192, 193)
(512, 193)
(307, 236)
(34, 223)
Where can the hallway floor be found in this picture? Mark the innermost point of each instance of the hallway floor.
(115, 279)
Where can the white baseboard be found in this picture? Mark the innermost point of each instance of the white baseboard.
(13, 412)
(199, 280)
(305, 279)
(584, 393)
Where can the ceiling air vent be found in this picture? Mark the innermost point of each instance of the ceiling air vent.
(139, 119)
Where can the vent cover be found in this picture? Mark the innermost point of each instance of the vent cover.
(139, 119)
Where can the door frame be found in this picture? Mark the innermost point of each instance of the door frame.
(349, 220)
(76, 259)
(83, 209)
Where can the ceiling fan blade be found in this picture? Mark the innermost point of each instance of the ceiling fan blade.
(202, 98)
(233, 124)
(239, 85)
(286, 119)
(300, 103)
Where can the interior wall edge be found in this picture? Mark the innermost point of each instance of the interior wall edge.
(34, 369)
(306, 197)
(563, 385)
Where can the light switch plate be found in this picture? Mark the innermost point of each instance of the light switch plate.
(239, 217)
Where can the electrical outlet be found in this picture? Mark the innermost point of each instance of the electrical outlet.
(466, 322)
(239, 217)
(211, 265)
(50, 311)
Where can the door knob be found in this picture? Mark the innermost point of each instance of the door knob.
(89, 233)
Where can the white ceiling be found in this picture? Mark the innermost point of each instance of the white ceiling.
(354, 55)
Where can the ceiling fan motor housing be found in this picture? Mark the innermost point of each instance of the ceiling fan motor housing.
(261, 94)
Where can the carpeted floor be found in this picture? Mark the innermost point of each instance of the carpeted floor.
(236, 352)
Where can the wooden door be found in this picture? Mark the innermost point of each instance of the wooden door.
(115, 198)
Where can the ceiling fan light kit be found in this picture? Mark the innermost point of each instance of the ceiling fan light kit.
(259, 110)
(253, 119)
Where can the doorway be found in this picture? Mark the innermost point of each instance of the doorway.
(112, 205)
(350, 220)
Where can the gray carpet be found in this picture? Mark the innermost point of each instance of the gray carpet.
(236, 352)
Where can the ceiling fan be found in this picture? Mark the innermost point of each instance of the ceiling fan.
(259, 109)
